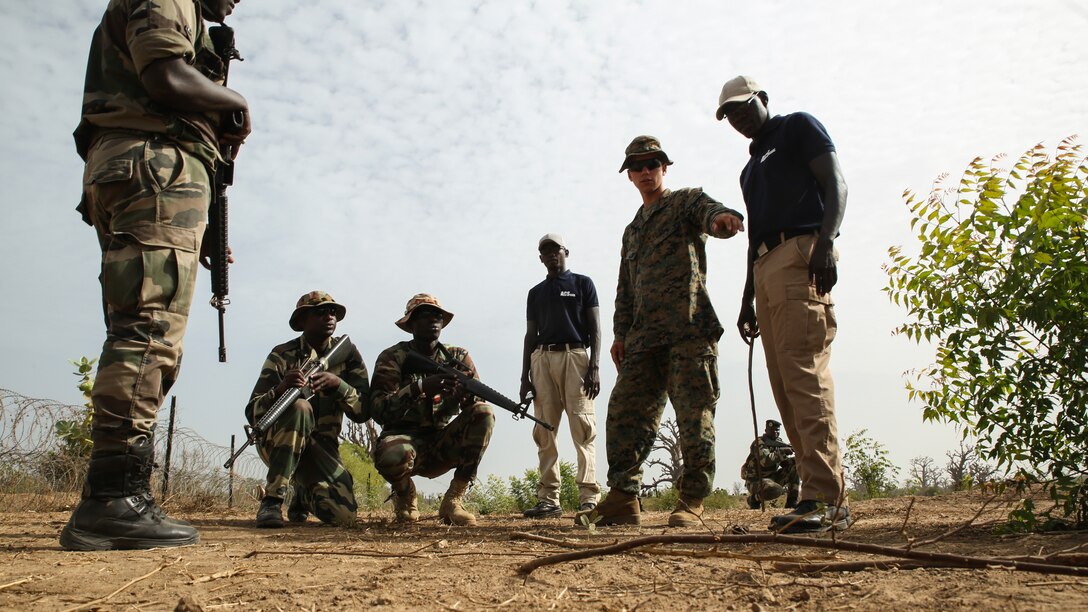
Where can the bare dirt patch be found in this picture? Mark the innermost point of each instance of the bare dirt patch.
(427, 566)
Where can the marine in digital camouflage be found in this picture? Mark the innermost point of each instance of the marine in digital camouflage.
(303, 444)
(132, 35)
(669, 332)
(661, 297)
(421, 436)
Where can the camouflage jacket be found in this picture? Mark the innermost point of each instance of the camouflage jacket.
(351, 398)
(776, 462)
(396, 403)
(132, 35)
(661, 298)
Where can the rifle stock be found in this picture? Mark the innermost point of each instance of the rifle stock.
(339, 352)
(418, 362)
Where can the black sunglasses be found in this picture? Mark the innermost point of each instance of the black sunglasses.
(645, 164)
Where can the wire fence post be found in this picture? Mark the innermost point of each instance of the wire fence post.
(230, 477)
(169, 447)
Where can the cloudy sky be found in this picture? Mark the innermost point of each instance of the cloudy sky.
(401, 147)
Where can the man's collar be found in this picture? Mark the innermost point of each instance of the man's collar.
(772, 124)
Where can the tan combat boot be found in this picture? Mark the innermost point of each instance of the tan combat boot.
(405, 509)
(618, 508)
(688, 512)
(451, 511)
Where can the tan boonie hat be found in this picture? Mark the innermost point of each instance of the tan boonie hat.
(314, 299)
(419, 300)
(736, 89)
(643, 145)
(556, 238)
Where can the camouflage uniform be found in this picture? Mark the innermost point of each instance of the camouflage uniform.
(777, 468)
(303, 444)
(420, 436)
(670, 331)
(146, 191)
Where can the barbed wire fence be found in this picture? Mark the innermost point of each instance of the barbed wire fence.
(37, 473)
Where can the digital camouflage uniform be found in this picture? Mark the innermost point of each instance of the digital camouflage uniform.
(777, 468)
(146, 191)
(670, 332)
(419, 436)
(303, 444)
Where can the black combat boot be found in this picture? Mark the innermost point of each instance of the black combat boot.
(118, 511)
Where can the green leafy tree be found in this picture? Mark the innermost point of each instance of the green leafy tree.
(1000, 286)
(868, 469)
(524, 489)
(490, 496)
(75, 434)
(371, 490)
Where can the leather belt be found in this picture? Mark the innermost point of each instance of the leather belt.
(570, 346)
(770, 242)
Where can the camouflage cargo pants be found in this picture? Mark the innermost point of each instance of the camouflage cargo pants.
(459, 446)
(294, 450)
(148, 201)
(687, 375)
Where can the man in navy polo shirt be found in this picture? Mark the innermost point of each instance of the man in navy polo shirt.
(796, 195)
(563, 321)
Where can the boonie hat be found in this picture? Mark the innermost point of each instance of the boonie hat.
(736, 89)
(314, 299)
(419, 300)
(643, 145)
(556, 238)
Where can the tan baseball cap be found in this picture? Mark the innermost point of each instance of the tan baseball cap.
(418, 301)
(643, 145)
(736, 89)
(556, 238)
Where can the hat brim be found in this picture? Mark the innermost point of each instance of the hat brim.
(737, 98)
(296, 316)
(660, 155)
(402, 322)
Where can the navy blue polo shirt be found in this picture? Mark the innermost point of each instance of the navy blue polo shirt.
(558, 305)
(780, 191)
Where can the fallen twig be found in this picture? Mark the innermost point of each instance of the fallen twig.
(954, 530)
(349, 553)
(124, 586)
(11, 584)
(522, 535)
(945, 558)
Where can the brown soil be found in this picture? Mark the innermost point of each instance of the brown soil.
(428, 566)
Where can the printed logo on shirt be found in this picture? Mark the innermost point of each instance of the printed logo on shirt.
(566, 293)
(766, 155)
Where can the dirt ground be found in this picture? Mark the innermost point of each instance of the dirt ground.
(430, 567)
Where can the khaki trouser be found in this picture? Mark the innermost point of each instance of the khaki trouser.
(797, 327)
(148, 201)
(558, 378)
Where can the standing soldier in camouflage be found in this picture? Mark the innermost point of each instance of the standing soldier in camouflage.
(776, 473)
(560, 367)
(429, 424)
(150, 136)
(303, 444)
(666, 338)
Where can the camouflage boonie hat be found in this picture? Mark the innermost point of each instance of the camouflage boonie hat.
(419, 300)
(643, 145)
(314, 299)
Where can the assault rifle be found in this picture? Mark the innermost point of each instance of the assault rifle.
(223, 40)
(417, 362)
(336, 355)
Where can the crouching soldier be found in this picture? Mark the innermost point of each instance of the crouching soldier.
(430, 425)
(302, 447)
(776, 473)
